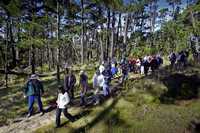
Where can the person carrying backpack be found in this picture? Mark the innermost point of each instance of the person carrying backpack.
(33, 90)
(62, 102)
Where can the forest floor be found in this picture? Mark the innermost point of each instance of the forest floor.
(166, 101)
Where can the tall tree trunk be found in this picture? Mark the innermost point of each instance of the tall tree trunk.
(33, 59)
(18, 39)
(6, 52)
(12, 44)
(101, 44)
(108, 33)
(58, 37)
(118, 36)
(52, 49)
(125, 33)
(82, 33)
(112, 36)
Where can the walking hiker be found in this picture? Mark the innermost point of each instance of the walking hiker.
(125, 69)
(181, 60)
(33, 90)
(62, 102)
(102, 67)
(114, 70)
(172, 59)
(83, 84)
(69, 83)
(96, 87)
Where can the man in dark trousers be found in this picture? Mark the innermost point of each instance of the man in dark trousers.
(69, 83)
(33, 90)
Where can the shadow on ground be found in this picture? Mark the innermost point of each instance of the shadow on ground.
(180, 87)
(98, 118)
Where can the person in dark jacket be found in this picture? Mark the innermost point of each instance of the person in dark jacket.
(172, 59)
(69, 83)
(84, 86)
(33, 90)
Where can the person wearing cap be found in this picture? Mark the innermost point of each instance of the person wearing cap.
(33, 90)
(69, 83)
(84, 84)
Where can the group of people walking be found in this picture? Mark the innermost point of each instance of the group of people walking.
(101, 83)
(178, 60)
(146, 64)
(104, 74)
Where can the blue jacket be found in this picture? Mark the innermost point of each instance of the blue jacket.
(33, 88)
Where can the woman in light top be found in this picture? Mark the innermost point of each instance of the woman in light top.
(62, 102)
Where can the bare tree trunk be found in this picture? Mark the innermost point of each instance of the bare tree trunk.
(108, 35)
(82, 33)
(33, 59)
(118, 35)
(112, 36)
(6, 53)
(12, 43)
(125, 33)
(18, 38)
(58, 49)
(101, 44)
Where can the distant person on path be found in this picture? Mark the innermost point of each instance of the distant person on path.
(62, 102)
(125, 69)
(33, 90)
(181, 60)
(69, 82)
(172, 59)
(84, 85)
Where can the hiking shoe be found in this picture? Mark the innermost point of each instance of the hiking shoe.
(41, 113)
(29, 115)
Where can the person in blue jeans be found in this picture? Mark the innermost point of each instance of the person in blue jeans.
(33, 90)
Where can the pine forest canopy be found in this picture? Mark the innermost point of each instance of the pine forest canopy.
(38, 33)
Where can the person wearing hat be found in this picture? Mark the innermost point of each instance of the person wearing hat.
(84, 84)
(33, 90)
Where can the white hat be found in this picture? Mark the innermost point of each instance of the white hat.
(34, 76)
(81, 72)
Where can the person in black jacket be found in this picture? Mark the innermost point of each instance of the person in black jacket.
(69, 83)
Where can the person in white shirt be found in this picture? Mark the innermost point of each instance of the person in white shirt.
(62, 102)
(96, 87)
(101, 67)
(103, 84)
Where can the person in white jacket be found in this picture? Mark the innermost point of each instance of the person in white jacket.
(62, 102)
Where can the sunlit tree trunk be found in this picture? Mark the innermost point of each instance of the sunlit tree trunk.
(112, 36)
